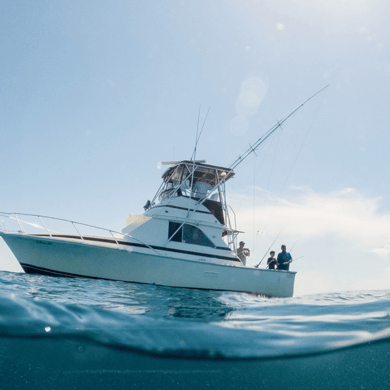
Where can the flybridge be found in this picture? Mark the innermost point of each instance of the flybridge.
(199, 182)
(206, 173)
(195, 180)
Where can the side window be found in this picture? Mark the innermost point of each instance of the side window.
(173, 226)
(188, 234)
(192, 235)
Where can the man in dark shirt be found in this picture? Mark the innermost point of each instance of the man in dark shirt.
(272, 262)
(284, 259)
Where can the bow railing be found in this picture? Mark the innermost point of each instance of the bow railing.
(55, 233)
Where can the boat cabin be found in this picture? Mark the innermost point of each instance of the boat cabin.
(189, 208)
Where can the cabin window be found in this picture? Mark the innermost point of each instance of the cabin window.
(193, 235)
(173, 226)
(189, 235)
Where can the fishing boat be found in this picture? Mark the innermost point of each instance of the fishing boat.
(185, 238)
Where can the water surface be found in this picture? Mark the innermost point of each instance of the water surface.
(102, 329)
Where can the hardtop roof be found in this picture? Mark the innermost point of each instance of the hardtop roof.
(224, 174)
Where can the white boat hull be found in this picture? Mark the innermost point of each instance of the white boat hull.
(53, 256)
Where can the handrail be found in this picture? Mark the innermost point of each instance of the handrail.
(9, 215)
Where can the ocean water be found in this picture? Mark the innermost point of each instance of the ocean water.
(60, 333)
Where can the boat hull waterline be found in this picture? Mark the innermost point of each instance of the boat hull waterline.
(53, 256)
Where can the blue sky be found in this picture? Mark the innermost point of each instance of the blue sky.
(95, 94)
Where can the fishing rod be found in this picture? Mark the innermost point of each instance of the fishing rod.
(257, 266)
(300, 257)
(257, 237)
(293, 246)
(264, 137)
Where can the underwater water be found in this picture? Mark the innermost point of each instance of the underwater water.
(60, 333)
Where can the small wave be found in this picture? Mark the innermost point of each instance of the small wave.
(162, 321)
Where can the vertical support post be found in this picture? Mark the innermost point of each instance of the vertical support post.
(20, 224)
(114, 238)
(82, 239)
(192, 183)
(228, 222)
(45, 226)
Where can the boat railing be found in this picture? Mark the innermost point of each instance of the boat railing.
(54, 234)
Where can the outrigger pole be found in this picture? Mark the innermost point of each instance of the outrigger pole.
(238, 161)
(253, 147)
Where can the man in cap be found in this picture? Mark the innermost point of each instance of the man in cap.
(242, 252)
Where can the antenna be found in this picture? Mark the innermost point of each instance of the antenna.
(253, 147)
(198, 137)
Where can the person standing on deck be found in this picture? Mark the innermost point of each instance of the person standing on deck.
(242, 252)
(284, 259)
(272, 262)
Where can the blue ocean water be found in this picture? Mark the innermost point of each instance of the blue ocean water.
(83, 333)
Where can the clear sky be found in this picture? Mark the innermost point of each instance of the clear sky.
(95, 94)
